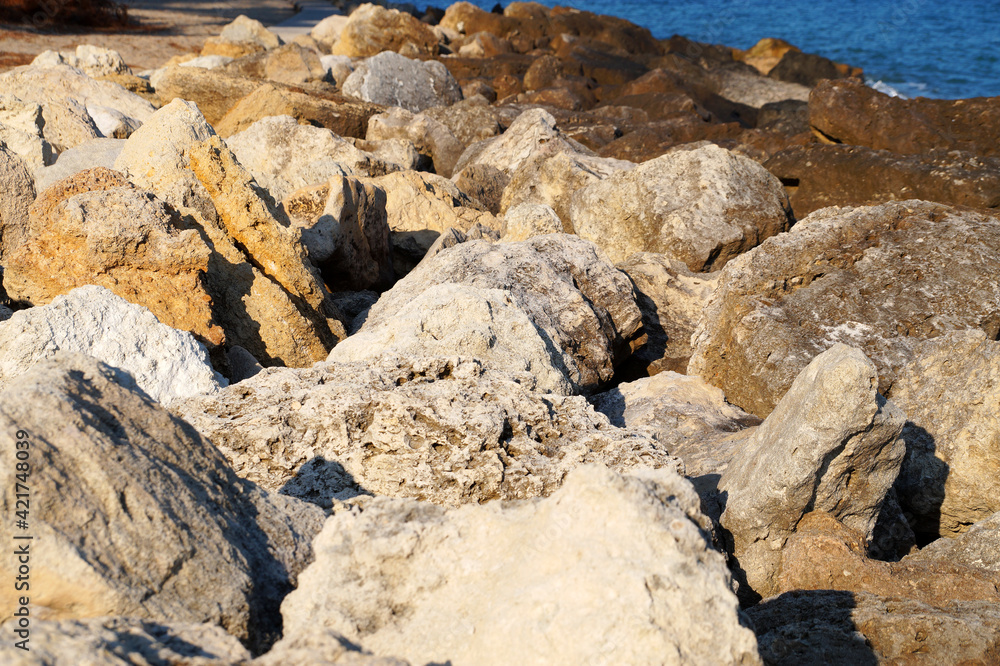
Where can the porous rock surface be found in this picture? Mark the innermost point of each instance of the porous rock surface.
(881, 278)
(166, 363)
(140, 516)
(565, 604)
(19, 192)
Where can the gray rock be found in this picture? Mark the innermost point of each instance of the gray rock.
(395, 80)
(881, 278)
(458, 319)
(701, 204)
(139, 515)
(832, 444)
(756, 91)
(339, 66)
(570, 292)
(120, 641)
(18, 192)
(609, 568)
(96, 153)
(432, 138)
(111, 123)
(978, 547)
(166, 363)
(950, 392)
(446, 430)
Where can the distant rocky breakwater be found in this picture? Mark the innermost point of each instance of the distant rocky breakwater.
(483, 338)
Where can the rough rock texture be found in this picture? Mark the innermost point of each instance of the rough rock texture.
(372, 29)
(96, 228)
(565, 285)
(117, 641)
(817, 176)
(316, 646)
(672, 300)
(756, 91)
(59, 89)
(416, 201)
(978, 547)
(880, 278)
(703, 205)
(689, 417)
(950, 392)
(848, 111)
(344, 116)
(837, 627)
(830, 429)
(213, 91)
(155, 157)
(345, 232)
(283, 156)
(96, 153)
(555, 179)
(483, 182)
(470, 120)
(432, 138)
(447, 319)
(447, 430)
(24, 138)
(166, 363)
(19, 191)
(527, 220)
(647, 589)
(270, 245)
(291, 64)
(114, 473)
(379, 79)
(533, 133)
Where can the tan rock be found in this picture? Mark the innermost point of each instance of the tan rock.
(527, 220)
(216, 46)
(327, 31)
(317, 646)
(416, 200)
(470, 120)
(429, 136)
(19, 191)
(291, 64)
(372, 29)
(214, 92)
(765, 54)
(97, 228)
(244, 29)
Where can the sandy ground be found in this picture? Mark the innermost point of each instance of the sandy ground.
(163, 30)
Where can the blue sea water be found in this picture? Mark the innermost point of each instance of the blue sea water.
(931, 48)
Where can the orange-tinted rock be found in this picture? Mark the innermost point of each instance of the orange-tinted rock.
(372, 29)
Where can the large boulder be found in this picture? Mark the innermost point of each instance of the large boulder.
(377, 79)
(117, 641)
(951, 394)
(19, 191)
(565, 285)
(469, 321)
(451, 430)
(832, 444)
(881, 278)
(241, 37)
(166, 363)
(139, 515)
(284, 156)
(372, 29)
(703, 205)
(432, 138)
(97, 228)
(404, 578)
(817, 176)
(291, 64)
(848, 111)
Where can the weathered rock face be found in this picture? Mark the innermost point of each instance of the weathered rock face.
(114, 473)
(951, 394)
(372, 29)
(881, 278)
(690, 418)
(671, 299)
(646, 542)
(447, 430)
(345, 233)
(284, 156)
(848, 111)
(470, 120)
(166, 363)
(430, 137)
(21, 130)
(94, 61)
(484, 183)
(96, 153)
(831, 428)
(115, 641)
(61, 89)
(978, 547)
(817, 176)
(316, 646)
(344, 116)
(291, 64)
(96, 228)
(19, 191)
(825, 626)
(459, 319)
(527, 220)
(428, 82)
(555, 179)
(565, 285)
(756, 91)
(703, 205)
(416, 201)
(213, 91)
